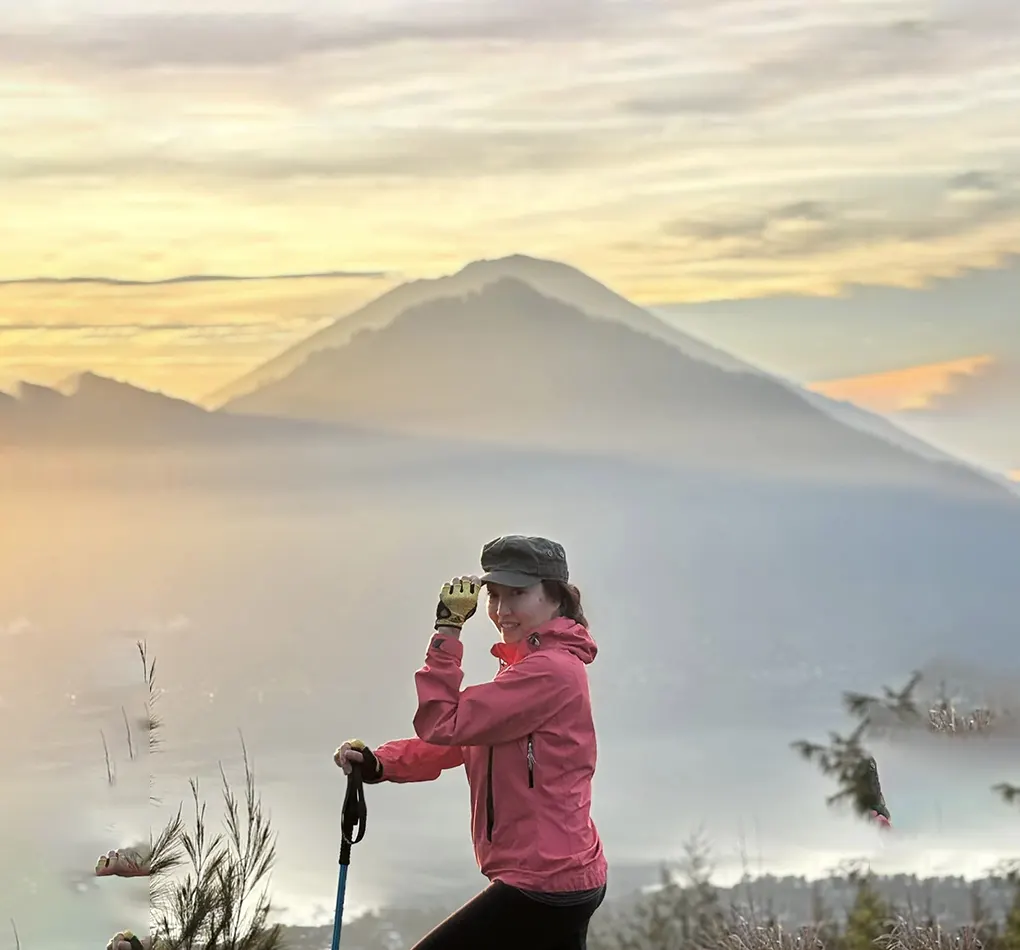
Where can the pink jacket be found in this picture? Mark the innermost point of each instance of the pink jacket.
(527, 742)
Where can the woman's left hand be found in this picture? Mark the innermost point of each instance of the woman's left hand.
(458, 601)
(126, 940)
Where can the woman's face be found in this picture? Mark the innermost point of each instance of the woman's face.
(518, 612)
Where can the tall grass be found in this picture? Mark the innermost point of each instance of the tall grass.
(208, 889)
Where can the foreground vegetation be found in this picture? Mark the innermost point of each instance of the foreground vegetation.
(209, 891)
(686, 913)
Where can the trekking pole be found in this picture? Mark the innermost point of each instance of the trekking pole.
(353, 816)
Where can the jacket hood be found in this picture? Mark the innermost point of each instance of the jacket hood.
(560, 633)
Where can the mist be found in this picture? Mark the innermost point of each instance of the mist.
(288, 592)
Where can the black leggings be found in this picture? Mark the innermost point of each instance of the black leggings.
(502, 918)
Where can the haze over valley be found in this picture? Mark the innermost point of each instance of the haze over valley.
(747, 550)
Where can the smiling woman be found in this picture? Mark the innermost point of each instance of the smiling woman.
(527, 742)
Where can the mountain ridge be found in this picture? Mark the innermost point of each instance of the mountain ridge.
(568, 286)
(90, 409)
(553, 277)
(590, 295)
(548, 359)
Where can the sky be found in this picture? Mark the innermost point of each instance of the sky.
(752, 150)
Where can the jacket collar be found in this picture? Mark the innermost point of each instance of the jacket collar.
(560, 632)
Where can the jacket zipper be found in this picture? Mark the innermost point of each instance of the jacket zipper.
(490, 810)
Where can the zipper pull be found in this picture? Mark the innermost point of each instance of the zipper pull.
(531, 763)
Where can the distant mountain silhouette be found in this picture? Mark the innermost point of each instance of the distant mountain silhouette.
(510, 365)
(566, 284)
(95, 410)
(552, 279)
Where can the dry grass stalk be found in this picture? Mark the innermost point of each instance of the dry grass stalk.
(945, 719)
(907, 935)
(747, 935)
(221, 902)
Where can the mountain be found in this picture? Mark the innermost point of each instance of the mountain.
(552, 279)
(508, 365)
(566, 284)
(94, 410)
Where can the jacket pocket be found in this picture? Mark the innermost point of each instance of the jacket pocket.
(490, 811)
(490, 808)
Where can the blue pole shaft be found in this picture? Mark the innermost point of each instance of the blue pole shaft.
(341, 889)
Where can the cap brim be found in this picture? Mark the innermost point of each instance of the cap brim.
(510, 579)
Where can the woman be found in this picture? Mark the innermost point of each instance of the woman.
(527, 742)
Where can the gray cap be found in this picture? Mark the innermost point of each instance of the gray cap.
(520, 561)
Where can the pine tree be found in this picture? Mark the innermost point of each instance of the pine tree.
(1010, 938)
(982, 926)
(870, 917)
(684, 913)
(707, 920)
(823, 924)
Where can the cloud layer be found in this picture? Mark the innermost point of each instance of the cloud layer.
(759, 146)
(913, 388)
(182, 338)
(425, 133)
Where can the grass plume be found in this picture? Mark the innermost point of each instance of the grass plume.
(206, 891)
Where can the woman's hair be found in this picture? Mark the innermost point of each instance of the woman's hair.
(569, 598)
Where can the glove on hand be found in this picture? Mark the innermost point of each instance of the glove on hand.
(458, 601)
(371, 767)
(125, 938)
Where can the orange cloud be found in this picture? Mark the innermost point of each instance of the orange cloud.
(186, 339)
(900, 389)
(1014, 475)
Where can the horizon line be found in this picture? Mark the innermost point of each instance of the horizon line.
(195, 278)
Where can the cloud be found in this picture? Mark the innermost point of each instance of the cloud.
(436, 152)
(17, 627)
(829, 143)
(214, 39)
(204, 331)
(808, 58)
(975, 185)
(798, 219)
(182, 338)
(912, 387)
(192, 279)
(812, 227)
(974, 415)
(993, 387)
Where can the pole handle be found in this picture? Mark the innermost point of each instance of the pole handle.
(354, 814)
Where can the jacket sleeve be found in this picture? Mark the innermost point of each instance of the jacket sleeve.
(412, 760)
(510, 707)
